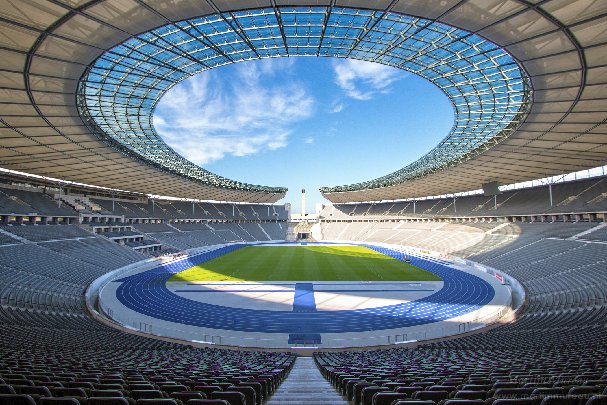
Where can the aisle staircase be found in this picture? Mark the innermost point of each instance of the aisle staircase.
(305, 385)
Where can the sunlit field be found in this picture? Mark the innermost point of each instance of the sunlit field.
(304, 263)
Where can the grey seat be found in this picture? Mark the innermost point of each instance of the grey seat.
(69, 392)
(513, 401)
(248, 392)
(366, 397)
(560, 400)
(16, 399)
(258, 390)
(157, 401)
(584, 390)
(169, 389)
(512, 392)
(59, 401)
(185, 396)
(142, 387)
(386, 398)
(465, 394)
(410, 390)
(548, 391)
(597, 400)
(207, 402)
(107, 393)
(107, 401)
(147, 394)
(32, 390)
(435, 396)
(232, 397)
(357, 391)
(208, 389)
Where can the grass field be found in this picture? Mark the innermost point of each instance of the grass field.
(304, 263)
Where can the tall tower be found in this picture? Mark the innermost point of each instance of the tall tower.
(303, 202)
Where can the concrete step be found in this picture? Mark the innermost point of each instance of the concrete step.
(305, 385)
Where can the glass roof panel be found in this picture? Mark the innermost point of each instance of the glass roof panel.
(489, 91)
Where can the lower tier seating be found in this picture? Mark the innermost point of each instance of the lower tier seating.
(556, 346)
(555, 352)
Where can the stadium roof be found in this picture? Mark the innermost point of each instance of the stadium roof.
(532, 106)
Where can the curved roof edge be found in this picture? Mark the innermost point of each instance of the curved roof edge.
(561, 45)
(487, 88)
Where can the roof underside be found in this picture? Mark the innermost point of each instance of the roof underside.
(47, 46)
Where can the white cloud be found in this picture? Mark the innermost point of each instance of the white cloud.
(206, 118)
(362, 80)
(265, 67)
(309, 140)
(337, 108)
(333, 128)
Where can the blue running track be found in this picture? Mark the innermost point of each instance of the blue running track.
(148, 294)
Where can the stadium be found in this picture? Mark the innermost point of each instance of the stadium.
(475, 274)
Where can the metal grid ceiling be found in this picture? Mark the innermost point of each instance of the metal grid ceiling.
(489, 92)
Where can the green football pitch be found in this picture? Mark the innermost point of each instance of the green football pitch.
(304, 263)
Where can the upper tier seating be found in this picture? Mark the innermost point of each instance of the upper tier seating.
(187, 210)
(194, 235)
(589, 195)
(38, 233)
(13, 201)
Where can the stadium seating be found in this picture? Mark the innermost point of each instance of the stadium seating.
(19, 201)
(559, 341)
(587, 195)
(39, 233)
(170, 210)
(554, 349)
(190, 235)
(59, 355)
(167, 225)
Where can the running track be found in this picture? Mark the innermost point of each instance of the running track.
(147, 294)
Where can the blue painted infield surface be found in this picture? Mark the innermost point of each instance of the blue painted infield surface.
(304, 300)
(235, 291)
(295, 291)
(304, 339)
(148, 294)
(371, 291)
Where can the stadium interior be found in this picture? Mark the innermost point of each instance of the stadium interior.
(82, 170)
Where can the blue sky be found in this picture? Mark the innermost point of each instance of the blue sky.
(303, 122)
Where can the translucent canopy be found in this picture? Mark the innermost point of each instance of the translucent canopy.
(489, 91)
(49, 47)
